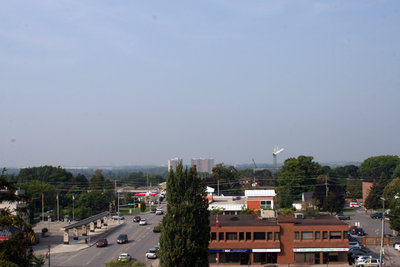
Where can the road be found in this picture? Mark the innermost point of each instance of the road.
(141, 238)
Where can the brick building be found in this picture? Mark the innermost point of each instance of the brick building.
(287, 239)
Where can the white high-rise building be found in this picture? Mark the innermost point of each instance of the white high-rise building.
(203, 164)
(172, 163)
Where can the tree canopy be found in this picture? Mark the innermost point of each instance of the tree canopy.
(375, 167)
(297, 175)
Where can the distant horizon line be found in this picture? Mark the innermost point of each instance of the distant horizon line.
(110, 166)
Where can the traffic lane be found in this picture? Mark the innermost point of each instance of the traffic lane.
(143, 239)
(94, 256)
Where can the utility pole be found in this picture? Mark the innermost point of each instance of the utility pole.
(218, 186)
(326, 188)
(383, 231)
(58, 209)
(118, 207)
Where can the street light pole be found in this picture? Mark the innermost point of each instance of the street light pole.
(383, 230)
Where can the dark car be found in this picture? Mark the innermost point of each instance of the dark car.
(122, 239)
(377, 215)
(102, 243)
(153, 210)
(136, 219)
(342, 217)
(360, 232)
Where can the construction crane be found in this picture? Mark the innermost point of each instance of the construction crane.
(274, 154)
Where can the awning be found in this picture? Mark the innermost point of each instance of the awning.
(320, 249)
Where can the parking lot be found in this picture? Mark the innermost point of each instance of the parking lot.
(372, 228)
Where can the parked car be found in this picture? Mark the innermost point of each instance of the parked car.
(152, 253)
(371, 262)
(102, 243)
(143, 222)
(360, 231)
(124, 257)
(342, 217)
(122, 239)
(397, 246)
(136, 219)
(377, 215)
(354, 245)
(361, 259)
(159, 212)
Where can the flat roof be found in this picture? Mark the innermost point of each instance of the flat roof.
(240, 220)
(318, 219)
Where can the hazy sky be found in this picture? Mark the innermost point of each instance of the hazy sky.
(139, 82)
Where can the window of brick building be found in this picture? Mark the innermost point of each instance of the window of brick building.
(213, 236)
(276, 235)
(317, 235)
(259, 235)
(221, 236)
(269, 236)
(231, 236)
(335, 235)
(241, 236)
(345, 235)
(248, 235)
(307, 235)
(324, 235)
(296, 236)
(266, 204)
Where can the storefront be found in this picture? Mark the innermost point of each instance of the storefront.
(243, 256)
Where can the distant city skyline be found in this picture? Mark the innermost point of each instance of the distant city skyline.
(136, 83)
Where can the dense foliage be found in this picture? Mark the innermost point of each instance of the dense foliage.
(185, 236)
(14, 251)
(297, 175)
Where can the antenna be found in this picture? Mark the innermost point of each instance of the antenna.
(274, 154)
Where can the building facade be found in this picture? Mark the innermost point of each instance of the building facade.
(172, 163)
(203, 164)
(286, 239)
(260, 199)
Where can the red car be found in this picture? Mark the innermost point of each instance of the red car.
(136, 219)
(102, 243)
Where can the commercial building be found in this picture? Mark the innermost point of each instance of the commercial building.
(203, 164)
(172, 163)
(283, 239)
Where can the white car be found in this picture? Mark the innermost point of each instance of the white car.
(143, 222)
(124, 257)
(159, 212)
(152, 253)
(360, 259)
(371, 262)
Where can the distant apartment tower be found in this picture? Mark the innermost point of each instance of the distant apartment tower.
(172, 163)
(203, 165)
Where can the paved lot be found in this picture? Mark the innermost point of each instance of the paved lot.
(372, 227)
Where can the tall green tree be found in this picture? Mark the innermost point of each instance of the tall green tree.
(227, 177)
(296, 176)
(354, 188)
(329, 194)
(13, 251)
(186, 227)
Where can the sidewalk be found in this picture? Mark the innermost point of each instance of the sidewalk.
(54, 238)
